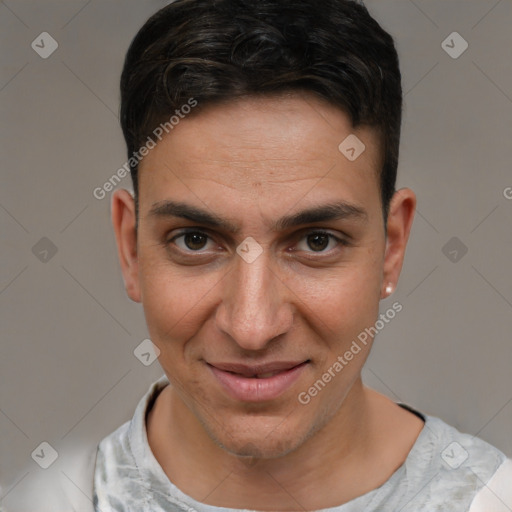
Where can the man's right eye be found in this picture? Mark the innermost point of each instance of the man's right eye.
(190, 241)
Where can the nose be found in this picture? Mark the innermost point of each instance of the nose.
(255, 306)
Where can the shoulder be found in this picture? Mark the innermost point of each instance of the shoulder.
(124, 444)
(496, 494)
(453, 469)
(112, 451)
(123, 458)
(115, 468)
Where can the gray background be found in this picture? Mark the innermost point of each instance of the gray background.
(68, 332)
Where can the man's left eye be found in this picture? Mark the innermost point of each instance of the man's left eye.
(318, 241)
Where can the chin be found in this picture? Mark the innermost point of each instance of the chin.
(259, 438)
(261, 448)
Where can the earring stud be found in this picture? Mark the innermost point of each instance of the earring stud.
(389, 289)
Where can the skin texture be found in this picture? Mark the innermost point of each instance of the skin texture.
(251, 162)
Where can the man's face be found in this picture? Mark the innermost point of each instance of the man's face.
(220, 316)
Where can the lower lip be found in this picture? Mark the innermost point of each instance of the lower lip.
(257, 390)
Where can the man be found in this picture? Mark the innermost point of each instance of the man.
(263, 233)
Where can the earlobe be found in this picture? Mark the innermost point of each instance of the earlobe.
(389, 289)
(123, 221)
(400, 218)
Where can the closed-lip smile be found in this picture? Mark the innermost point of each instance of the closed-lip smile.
(259, 382)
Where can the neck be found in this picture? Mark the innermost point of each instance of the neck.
(355, 452)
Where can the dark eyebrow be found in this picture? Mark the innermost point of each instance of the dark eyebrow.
(192, 213)
(321, 213)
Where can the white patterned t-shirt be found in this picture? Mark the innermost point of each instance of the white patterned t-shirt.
(445, 471)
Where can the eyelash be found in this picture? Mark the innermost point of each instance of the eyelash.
(340, 241)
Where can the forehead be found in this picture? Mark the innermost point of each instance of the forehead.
(267, 144)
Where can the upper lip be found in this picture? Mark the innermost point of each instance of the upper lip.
(251, 370)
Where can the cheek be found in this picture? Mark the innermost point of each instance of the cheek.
(175, 305)
(343, 302)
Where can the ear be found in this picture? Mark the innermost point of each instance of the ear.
(401, 215)
(123, 220)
